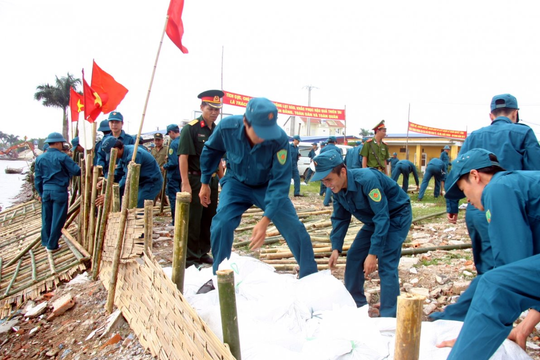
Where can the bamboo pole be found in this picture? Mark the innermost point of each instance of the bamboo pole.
(92, 221)
(148, 225)
(181, 221)
(121, 233)
(24, 251)
(51, 263)
(34, 270)
(116, 198)
(77, 249)
(87, 199)
(229, 316)
(82, 230)
(106, 209)
(134, 174)
(163, 188)
(409, 324)
(15, 273)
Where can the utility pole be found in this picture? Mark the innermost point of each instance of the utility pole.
(308, 126)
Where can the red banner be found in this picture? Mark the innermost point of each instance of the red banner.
(287, 109)
(454, 134)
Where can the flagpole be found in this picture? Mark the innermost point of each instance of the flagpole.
(149, 89)
(408, 126)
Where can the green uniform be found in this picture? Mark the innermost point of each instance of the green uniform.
(160, 155)
(192, 139)
(372, 151)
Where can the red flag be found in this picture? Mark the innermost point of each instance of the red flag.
(110, 91)
(175, 27)
(76, 104)
(92, 103)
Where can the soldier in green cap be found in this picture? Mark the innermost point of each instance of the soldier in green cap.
(375, 151)
(192, 139)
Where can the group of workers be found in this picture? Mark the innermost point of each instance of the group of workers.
(493, 170)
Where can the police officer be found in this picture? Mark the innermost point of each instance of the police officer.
(150, 179)
(53, 170)
(192, 139)
(311, 155)
(174, 181)
(159, 152)
(517, 148)
(405, 168)
(435, 169)
(384, 209)
(375, 151)
(295, 154)
(259, 172)
(509, 200)
(393, 161)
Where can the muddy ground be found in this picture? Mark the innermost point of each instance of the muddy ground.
(82, 331)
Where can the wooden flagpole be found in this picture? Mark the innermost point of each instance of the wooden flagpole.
(408, 126)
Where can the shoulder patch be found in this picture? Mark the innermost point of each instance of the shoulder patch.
(282, 156)
(171, 151)
(375, 195)
(369, 140)
(191, 123)
(488, 216)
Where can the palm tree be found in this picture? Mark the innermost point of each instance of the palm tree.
(58, 96)
(364, 132)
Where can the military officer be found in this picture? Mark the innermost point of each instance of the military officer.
(375, 151)
(435, 169)
(192, 139)
(405, 168)
(174, 181)
(150, 179)
(295, 154)
(384, 209)
(259, 172)
(159, 152)
(509, 200)
(516, 147)
(53, 170)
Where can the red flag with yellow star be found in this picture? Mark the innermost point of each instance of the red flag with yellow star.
(110, 91)
(75, 104)
(92, 102)
(175, 26)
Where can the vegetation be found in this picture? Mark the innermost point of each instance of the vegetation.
(57, 95)
(365, 132)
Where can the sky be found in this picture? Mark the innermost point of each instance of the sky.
(375, 59)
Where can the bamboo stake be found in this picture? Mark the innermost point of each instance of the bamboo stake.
(106, 209)
(181, 221)
(116, 198)
(82, 214)
(134, 184)
(15, 273)
(87, 199)
(409, 324)
(51, 262)
(92, 221)
(229, 316)
(163, 188)
(121, 233)
(148, 225)
(34, 270)
(116, 260)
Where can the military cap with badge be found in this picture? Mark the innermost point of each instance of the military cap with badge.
(212, 98)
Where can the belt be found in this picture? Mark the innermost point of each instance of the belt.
(198, 173)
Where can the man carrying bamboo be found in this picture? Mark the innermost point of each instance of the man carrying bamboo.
(384, 209)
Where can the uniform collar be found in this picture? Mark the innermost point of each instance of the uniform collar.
(351, 184)
(502, 119)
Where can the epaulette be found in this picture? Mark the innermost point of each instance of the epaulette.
(369, 140)
(193, 122)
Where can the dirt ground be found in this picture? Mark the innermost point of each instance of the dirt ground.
(82, 332)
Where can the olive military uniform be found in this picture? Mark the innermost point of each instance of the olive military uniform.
(372, 151)
(192, 139)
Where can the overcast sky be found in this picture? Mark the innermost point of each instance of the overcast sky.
(372, 58)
